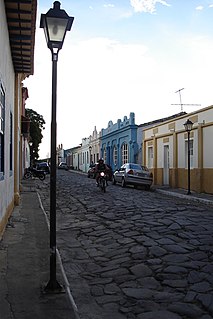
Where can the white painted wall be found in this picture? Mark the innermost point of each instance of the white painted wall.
(207, 147)
(7, 78)
(204, 116)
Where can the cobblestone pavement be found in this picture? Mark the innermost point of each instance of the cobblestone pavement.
(133, 253)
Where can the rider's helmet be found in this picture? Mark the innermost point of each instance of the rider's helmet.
(101, 161)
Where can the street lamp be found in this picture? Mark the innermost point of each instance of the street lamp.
(55, 23)
(188, 127)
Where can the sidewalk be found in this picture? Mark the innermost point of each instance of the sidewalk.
(24, 260)
(24, 265)
(182, 193)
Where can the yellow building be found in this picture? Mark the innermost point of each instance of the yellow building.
(17, 37)
(165, 152)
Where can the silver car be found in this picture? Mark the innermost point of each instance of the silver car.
(63, 165)
(133, 174)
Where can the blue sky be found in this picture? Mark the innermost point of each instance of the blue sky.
(123, 56)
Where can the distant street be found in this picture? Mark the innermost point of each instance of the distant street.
(131, 253)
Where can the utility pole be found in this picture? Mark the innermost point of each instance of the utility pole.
(181, 104)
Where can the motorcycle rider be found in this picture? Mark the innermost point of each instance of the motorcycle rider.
(100, 167)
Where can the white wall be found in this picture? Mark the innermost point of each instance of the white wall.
(7, 78)
(207, 147)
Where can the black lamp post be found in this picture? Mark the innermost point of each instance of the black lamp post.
(188, 127)
(55, 23)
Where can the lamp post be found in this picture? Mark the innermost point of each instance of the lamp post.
(55, 23)
(188, 127)
(30, 147)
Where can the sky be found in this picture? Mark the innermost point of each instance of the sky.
(123, 56)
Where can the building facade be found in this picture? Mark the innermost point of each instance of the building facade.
(166, 151)
(119, 142)
(17, 34)
(85, 154)
(94, 146)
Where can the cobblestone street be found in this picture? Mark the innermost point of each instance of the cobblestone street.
(131, 253)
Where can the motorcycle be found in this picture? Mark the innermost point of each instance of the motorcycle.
(102, 181)
(33, 172)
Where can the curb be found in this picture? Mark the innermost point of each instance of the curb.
(188, 197)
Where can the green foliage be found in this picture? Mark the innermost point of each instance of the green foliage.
(37, 123)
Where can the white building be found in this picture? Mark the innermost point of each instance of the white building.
(166, 151)
(17, 35)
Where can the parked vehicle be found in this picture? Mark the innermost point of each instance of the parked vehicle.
(63, 165)
(102, 181)
(33, 172)
(133, 174)
(91, 172)
(43, 166)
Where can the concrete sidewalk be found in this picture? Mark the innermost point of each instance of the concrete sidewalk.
(24, 265)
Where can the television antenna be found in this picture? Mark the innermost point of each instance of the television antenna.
(181, 104)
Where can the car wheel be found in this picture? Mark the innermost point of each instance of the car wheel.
(113, 180)
(123, 183)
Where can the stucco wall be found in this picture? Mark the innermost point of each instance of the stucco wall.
(7, 79)
(173, 134)
(116, 135)
(207, 147)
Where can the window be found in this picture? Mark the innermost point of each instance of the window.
(150, 157)
(2, 124)
(124, 153)
(191, 153)
(104, 154)
(115, 155)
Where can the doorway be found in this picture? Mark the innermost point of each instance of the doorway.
(166, 165)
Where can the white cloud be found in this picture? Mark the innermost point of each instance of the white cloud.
(199, 8)
(101, 79)
(146, 5)
(109, 5)
(211, 6)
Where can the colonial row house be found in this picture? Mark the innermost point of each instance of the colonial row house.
(161, 145)
(165, 151)
(17, 37)
(118, 143)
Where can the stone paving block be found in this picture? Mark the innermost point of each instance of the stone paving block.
(141, 270)
(161, 314)
(184, 309)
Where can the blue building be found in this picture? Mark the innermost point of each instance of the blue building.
(119, 142)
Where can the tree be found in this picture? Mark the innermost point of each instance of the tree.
(37, 123)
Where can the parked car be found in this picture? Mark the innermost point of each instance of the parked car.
(133, 174)
(91, 172)
(43, 166)
(63, 165)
